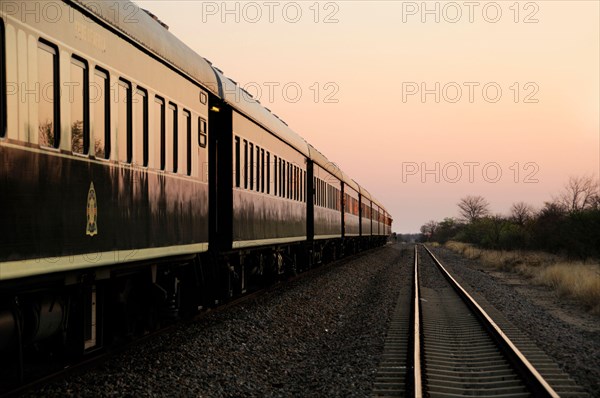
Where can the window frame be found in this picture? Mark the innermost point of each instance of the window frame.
(251, 165)
(86, 104)
(237, 161)
(46, 45)
(245, 164)
(122, 82)
(187, 115)
(202, 133)
(163, 131)
(175, 166)
(103, 73)
(268, 165)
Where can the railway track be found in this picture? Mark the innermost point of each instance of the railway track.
(448, 346)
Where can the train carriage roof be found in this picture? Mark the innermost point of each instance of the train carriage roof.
(365, 193)
(351, 183)
(320, 159)
(154, 37)
(243, 102)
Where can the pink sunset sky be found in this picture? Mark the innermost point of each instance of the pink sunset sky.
(421, 103)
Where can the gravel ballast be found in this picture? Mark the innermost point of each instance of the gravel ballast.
(317, 336)
(573, 346)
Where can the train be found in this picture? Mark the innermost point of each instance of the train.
(139, 184)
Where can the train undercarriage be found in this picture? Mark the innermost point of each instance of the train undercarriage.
(51, 321)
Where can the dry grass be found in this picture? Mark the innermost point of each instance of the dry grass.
(570, 279)
(579, 281)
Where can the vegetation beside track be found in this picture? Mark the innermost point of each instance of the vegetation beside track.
(574, 279)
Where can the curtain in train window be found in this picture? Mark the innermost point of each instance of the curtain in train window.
(101, 102)
(48, 104)
(78, 98)
(124, 125)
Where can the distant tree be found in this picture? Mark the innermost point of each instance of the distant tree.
(579, 193)
(520, 213)
(473, 207)
(429, 228)
(447, 229)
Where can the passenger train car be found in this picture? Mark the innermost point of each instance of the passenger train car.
(138, 183)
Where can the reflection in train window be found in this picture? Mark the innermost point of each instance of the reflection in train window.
(48, 105)
(101, 103)
(78, 98)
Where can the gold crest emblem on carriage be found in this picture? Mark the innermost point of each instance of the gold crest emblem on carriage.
(92, 212)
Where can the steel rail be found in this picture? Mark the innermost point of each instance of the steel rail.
(417, 378)
(532, 378)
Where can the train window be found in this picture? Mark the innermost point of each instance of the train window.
(159, 129)
(262, 170)
(291, 181)
(172, 136)
(305, 187)
(202, 133)
(237, 162)
(245, 164)
(318, 192)
(2, 81)
(281, 178)
(251, 166)
(188, 141)
(101, 103)
(125, 141)
(257, 169)
(268, 164)
(283, 169)
(275, 175)
(300, 184)
(322, 194)
(140, 127)
(296, 183)
(290, 172)
(48, 105)
(79, 100)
